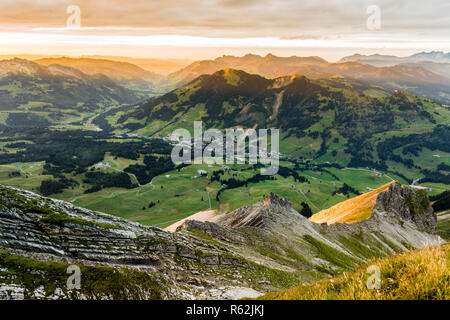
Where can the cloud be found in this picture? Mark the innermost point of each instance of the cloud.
(235, 18)
(239, 3)
(213, 27)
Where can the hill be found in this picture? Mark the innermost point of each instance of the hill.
(123, 73)
(239, 98)
(439, 68)
(337, 119)
(416, 275)
(33, 94)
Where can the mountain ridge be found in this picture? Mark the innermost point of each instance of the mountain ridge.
(392, 76)
(388, 60)
(33, 94)
(244, 257)
(124, 73)
(335, 109)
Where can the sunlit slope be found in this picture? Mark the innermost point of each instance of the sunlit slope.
(199, 216)
(416, 275)
(352, 210)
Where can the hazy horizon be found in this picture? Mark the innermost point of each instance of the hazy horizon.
(35, 56)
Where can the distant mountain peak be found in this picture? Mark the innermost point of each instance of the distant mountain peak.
(120, 71)
(251, 55)
(270, 56)
(262, 214)
(269, 66)
(19, 66)
(440, 56)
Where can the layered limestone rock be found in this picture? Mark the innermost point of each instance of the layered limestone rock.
(257, 215)
(51, 230)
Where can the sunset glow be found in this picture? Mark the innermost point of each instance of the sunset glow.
(242, 26)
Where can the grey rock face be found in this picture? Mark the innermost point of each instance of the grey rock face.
(53, 230)
(409, 204)
(258, 215)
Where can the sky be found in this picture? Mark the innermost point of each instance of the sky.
(201, 29)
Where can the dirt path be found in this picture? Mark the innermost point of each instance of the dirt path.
(277, 105)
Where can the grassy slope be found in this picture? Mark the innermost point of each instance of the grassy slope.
(420, 274)
(353, 210)
(444, 224)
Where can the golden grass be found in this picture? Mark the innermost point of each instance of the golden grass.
(352, 210)
(417, 275)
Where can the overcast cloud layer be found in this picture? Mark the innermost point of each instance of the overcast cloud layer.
(402, 21)
(282, 18)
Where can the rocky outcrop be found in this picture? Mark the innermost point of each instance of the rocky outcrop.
(402, 219)
(257, 215)
(409, 204)
(51, 230)
(256, 248)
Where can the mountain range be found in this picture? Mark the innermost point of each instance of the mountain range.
(156, 65)
(415, 78)
(322, 118)
(120, 82)
(380, 60)
(345, 128)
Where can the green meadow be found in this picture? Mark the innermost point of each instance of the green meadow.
(180, 193)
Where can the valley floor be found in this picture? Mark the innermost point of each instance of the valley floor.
(179, 194)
